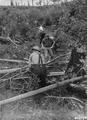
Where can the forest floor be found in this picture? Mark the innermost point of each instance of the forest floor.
(26, 112)
(28, 109)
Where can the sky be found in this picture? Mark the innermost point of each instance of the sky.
(7, 2)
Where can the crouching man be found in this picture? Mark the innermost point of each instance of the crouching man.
(37, 66)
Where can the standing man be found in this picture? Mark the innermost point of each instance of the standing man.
(37, 66)
(44, 37)
(41, 34)
(47, 45)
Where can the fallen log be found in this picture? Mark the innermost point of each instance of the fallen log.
(4, 40)
(55, 74)
(72, 80)
(44, 89)
(25, 61)
(31, 93)
(72, 98)
(11, 60)
(9, 70)
(50, 62)
(7, 40)
(4, 80)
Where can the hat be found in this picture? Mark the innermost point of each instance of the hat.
(51, 37)
(36, 48)
(41, 28)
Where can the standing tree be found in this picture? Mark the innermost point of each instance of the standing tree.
(55, 1)
(16, 4)
(47, 2)
(21, 2)
(28, 3)
(40, 2)
(32, 2)
(12, 4)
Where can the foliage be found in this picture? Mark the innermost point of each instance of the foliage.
(68, 18)
(67, 22)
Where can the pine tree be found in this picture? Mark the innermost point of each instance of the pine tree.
(32, 2)
(28, 3)
(12, 4)
(16, 4)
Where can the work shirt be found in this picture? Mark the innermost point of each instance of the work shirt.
(47, 52)
(35, 58)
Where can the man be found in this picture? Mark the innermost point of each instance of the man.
(36, 64)
(47, 45)
(41, 34)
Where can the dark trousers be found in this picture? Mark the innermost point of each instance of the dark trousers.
(42, 78)
(40, 72)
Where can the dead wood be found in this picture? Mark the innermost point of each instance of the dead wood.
(72, 98)
(9, 70)
(57, 58)
(3, 80)
(44, 89)
(7, 39)
(11, 60)
(55, 73)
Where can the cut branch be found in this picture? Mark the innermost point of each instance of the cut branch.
(7, 39)
(11, 60)
(72, 80)
(55, 73)
(9, 70)
(50, 62)
(13, 70)
(4, 39)
(3, 80)
(73, 98)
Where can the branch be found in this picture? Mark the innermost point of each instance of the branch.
(3, 80)
(73, 98)
(9, 70)
(11, 60)
(72, 80)
(12, 41)
(57, 58)
(55, 73)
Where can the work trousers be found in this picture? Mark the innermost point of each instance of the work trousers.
(40, 72)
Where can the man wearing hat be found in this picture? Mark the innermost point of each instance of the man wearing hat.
(37, 66)
(48, 47)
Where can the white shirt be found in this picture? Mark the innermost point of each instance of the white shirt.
(34, 58)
